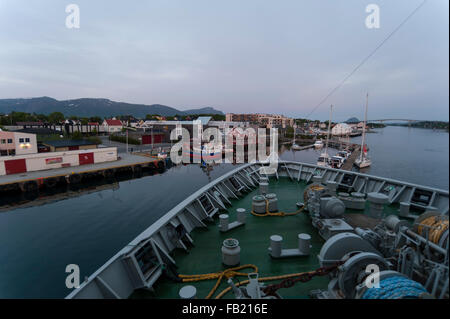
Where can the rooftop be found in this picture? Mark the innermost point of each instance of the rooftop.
(114, 122)
(66, 143)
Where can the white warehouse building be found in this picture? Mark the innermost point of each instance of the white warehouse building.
(341, 129)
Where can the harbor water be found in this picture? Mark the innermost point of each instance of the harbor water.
(38, 242)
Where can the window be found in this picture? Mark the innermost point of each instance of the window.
(20, 140)
(3, 141)
(27, 140)
(9, 140)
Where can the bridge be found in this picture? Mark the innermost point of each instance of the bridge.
(390, 120)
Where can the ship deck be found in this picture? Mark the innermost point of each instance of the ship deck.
(205, 256)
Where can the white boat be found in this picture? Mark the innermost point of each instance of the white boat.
(363, 160)
(318, 144)
(343, 154)
(323, 160)
(294, 146)
(336, 161)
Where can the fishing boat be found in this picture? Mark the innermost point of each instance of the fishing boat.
(303, 231)
(364, 161)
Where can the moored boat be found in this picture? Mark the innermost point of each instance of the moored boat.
(364, 161)
(318, 144)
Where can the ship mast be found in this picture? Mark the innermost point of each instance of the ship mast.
(364, 129)
(329, 126)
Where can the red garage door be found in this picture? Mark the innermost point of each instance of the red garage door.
(87, 158)
(157, 139)
(146, 139)
(15, 166)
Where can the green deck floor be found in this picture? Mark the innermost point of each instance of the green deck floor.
(205, 256)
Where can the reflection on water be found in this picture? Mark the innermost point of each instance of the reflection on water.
(38, 242)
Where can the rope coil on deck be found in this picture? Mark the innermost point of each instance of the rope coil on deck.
(313, 187)
(395, 288)
(232, 272)
(268, 213)
(228, 273)
(435, 227)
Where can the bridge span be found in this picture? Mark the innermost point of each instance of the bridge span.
(386, 120)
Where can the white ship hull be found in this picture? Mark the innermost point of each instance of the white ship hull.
(363, 163)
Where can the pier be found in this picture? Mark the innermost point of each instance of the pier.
(32, 181)
(348, 164)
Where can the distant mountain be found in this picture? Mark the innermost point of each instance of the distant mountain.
(352, 120)
(204, 110)
(87, 107)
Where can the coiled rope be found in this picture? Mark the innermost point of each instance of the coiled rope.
(232, 272)
(395, 288)
(228, 273)
(435, 226)
(268, 213)
(313, 187)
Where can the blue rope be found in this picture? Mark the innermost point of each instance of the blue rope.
(395, 288)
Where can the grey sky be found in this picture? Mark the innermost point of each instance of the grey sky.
(237, 56)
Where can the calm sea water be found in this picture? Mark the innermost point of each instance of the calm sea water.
(415, 155)
(36, 243)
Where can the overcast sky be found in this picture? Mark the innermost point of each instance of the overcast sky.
(235, 55)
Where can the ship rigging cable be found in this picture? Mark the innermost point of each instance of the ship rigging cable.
(366, 58)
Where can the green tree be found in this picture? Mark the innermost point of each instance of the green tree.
(96, 119)
(42, 117)
(56, 117)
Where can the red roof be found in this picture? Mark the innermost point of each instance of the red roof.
(113, 122)
(93, 123)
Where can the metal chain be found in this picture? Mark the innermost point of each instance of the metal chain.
(305, 277)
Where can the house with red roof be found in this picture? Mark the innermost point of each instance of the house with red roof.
(112, 126)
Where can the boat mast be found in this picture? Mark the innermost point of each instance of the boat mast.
(364, 129)
(329, 126)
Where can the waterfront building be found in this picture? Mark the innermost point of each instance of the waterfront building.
(341, 129)
(17, 143)
(112, 125)
(266, 120)
(165, 127)
(69, 145)
(19, 164)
